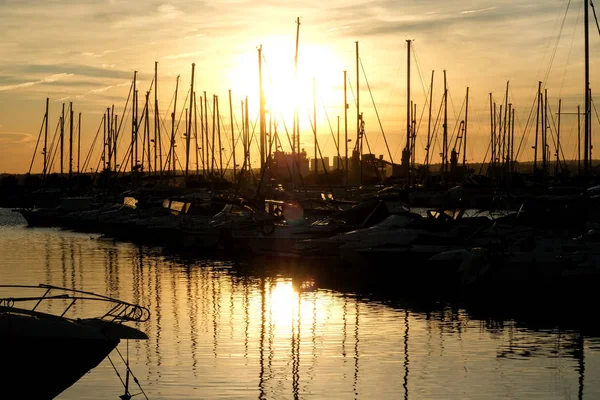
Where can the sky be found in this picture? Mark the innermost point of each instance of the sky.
(86, 52)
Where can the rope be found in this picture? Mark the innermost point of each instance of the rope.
(595, 18)
(377, 112)
(45, 120)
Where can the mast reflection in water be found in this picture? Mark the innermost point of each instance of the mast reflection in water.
(219, 332)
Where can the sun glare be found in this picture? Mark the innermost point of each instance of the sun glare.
(284, 89)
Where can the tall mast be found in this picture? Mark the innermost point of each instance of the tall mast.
(173, 126)
(157, 142)
(338, 144)
(346, 124)
(107, 142)
(358, 117)
(62, 138)
(70, 139)
(232, 137)
(429, 121)
(196, 148)
(46, 139)
(587, 110)
(492, 136)
(408, 109)
(466, 125)
(544, 129)
(504, 124)
(512, 141)
(445, 138)
(202, 138)
(537, 125)
(315, 123)
(114, 135)
(207, 144)
(297, 119)
(189, 125)
(508, 141)
(558, 139)
(134, 123)
(247, 129)
(578, 140)
(219, 136)
(78, 143)
(212, 159)
(262, 110)
(147, 133)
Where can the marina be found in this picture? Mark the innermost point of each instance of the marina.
(218, 330)
(367, 200)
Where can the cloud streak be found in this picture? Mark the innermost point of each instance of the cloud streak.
(477, 11)
(15, 137)
(48, 79)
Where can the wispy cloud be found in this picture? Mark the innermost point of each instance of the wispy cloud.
(181, 55)
(48, 79)
(477, 11)
(101, 89)
(15, 137)
(97, 55)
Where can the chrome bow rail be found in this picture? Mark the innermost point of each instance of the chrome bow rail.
(120, 311)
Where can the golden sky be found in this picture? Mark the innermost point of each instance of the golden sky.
(85, 52)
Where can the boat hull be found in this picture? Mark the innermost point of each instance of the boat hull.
(41, 358)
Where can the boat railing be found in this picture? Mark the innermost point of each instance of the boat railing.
(119, 311)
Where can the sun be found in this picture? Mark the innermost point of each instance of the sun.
(287, 88)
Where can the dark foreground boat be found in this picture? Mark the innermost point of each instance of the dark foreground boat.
(43, 351)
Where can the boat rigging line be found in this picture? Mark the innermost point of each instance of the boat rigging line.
(44, 121)
(376, 112)
(595, 17)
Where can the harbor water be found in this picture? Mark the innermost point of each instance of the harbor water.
(218, 330)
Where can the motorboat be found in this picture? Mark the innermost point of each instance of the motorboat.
(45, 350)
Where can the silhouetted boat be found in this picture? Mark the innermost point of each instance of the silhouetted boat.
(45, 352)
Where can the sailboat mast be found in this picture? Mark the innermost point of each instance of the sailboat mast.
(491, 136)
(578, 140)
(408, 109)
(232, 137)
(445, 138)
(196, 148)
(219, 136)
(315, 123)
(358, 118)
(297, 120)
(157, 143)
(147, 133)
(504, 125)
(346, 124)
(429, 121)
(212, 159)
(466, 125)
(207, 144)
(114, 135)
(62, 138)
(247, 125)
(173, 126)
(134, 123)
(587, 111)
(544, 130)
(537, 126)
(189, 125)
(46, 139)
(262, 110)
(558, 138)
(78, 143)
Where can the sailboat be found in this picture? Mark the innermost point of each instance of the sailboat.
(45, 352)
